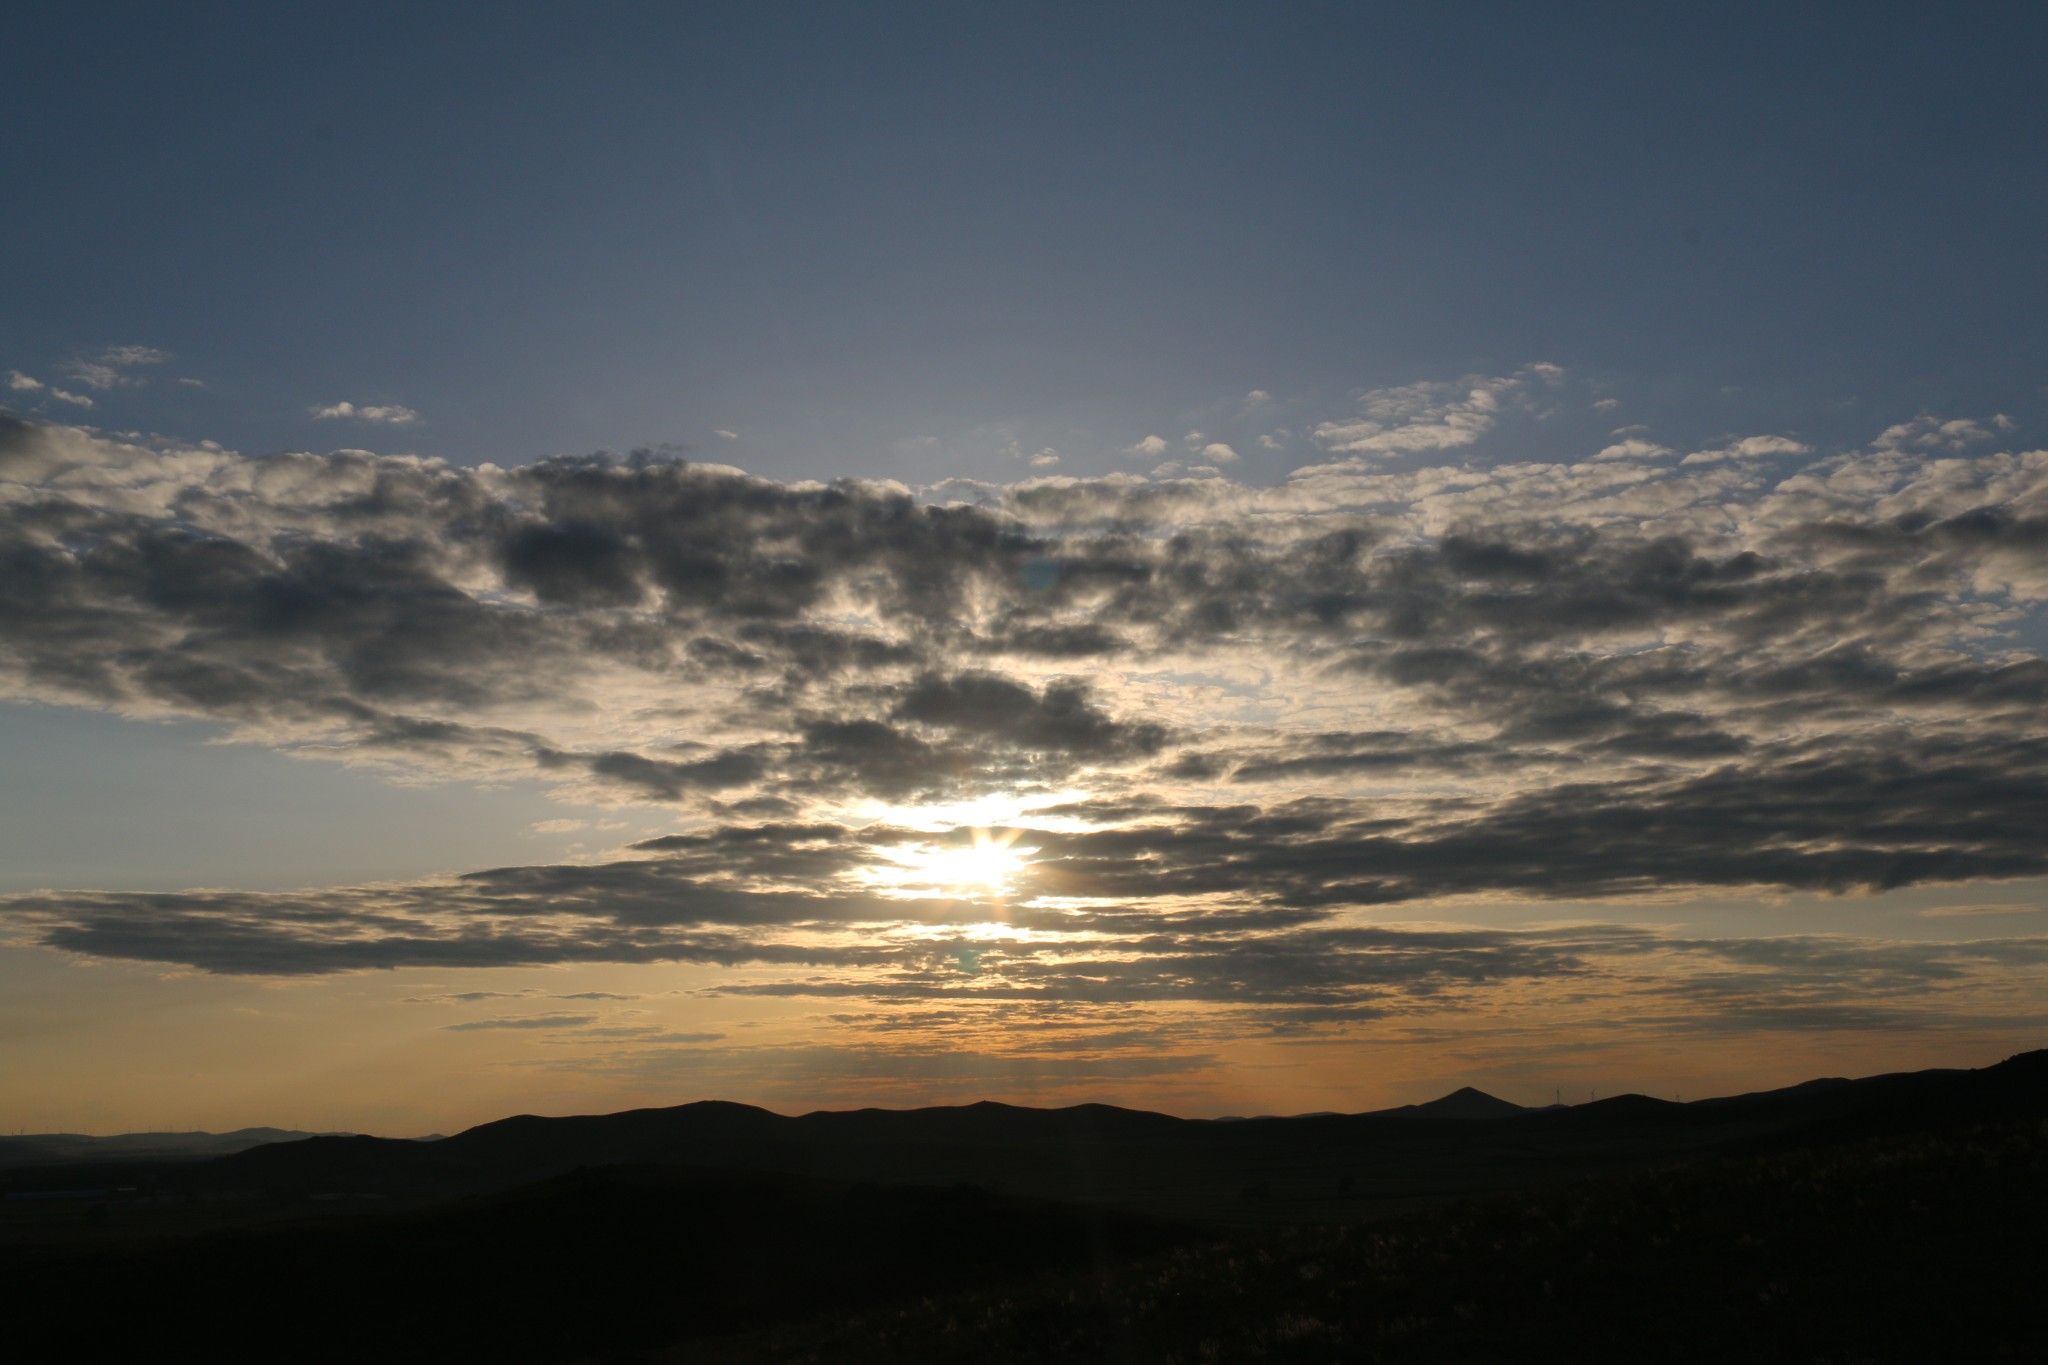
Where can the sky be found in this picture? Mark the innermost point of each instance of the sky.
(1269, 559)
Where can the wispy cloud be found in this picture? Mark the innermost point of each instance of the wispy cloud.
(1431, 416)
(110, 368)
(1633, 448)
(17, 382)
(523, 1021)
(385, 414)
(1751, 448)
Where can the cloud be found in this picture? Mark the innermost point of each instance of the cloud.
(1930, 433)
(134, 355)
(392, 414)
(472, 997)
(1085, 976)
(1431, 416)
(1239, 729)
(1174, 469)
(1634, 448)
(1217, 453)
(1045, 459)
(109, 369)
(1751, 448)
(725, 435)
(1148, 448)
(96, 375)
(18, 382)
(524, 1021)
(1061, 719)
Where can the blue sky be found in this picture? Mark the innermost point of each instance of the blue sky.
(841, 231)
(1557, 492)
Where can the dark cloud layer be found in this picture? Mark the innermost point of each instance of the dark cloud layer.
(1231, 722)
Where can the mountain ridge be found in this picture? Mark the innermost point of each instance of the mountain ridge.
(1249, 1170)
(729, 1120)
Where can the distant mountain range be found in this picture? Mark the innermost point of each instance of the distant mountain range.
(39, 1149)
(32, 1149)
(1246, 1170)
(1464, 1228)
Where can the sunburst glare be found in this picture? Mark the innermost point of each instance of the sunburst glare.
(988, 863)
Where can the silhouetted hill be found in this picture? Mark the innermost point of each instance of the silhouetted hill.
(1309, 1168)
(919, 1145)
(1462, 1103)
(995, 1231)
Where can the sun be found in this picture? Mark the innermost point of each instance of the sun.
(988, 864)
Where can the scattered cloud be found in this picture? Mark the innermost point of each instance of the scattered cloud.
(724, 434)
(390, 414)
(1149, 447)
(1751, 448)
(126, 356)
(1633, 448)
(1234, 734)
(1217, 453)
(1930, 433)
(95, 375)
(1178, 469)
(109, 369)
(18, 382)
(1432, 416)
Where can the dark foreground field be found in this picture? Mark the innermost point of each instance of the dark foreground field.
(1920, 1249)
(1896, 1218)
